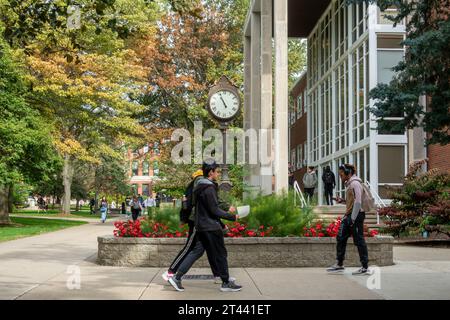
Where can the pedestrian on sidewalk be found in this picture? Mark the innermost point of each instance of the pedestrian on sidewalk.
(209, 228)
(149, 203)
(103, 209)
(352, 222)
(136, 208)
(193, 249)
(310, 182)
(329, 182)
(91, 206)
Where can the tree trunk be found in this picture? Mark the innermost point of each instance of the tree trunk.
(96, 201)
(77, 207)
(67, 176)
(11, 198)
(4, 207)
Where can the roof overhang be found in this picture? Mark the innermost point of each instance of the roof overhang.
(303, 15)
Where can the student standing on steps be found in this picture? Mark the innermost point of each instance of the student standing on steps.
(329, 182)
(310, 182)
(353, 221)
(209, 228)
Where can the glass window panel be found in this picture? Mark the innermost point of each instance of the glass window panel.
(386, 61)
(391, 164)
(134, 168)
(389, 41)
(145, 168)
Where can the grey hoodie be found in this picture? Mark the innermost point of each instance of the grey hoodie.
(354, 196)
(310, 180)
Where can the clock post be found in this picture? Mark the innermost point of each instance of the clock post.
(224, 105)
(225, 183)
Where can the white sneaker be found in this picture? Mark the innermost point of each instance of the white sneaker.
(218, 280)
(167, 275)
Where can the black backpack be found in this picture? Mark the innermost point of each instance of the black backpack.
(188, 204)
(328, 177)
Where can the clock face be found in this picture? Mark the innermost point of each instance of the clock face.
(224, 104)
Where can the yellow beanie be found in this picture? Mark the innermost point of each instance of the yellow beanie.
(197, 173)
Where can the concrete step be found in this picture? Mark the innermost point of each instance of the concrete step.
(336, 209)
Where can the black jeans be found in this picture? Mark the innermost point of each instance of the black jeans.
(214, 244)
(357, 231)
(191, 252)
(329, 194)
(309, 192)
(135, 213)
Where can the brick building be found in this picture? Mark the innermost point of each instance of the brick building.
(143, 168)
(298, 128)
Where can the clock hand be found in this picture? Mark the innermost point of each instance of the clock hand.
(223, 101)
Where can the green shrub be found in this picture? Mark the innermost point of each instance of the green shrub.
(279, 212)
(168, 216)
(421, 204)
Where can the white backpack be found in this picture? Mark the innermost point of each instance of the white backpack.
(368, 201)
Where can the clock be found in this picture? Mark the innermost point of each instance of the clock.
(224, 102)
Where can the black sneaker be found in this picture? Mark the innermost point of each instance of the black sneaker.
(230, 287)
(360, 272)
(176, 284)
(336, 269)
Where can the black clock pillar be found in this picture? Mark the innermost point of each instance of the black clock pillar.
(225, 182)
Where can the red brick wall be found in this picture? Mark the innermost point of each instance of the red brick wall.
(439, 157)
(299, 128)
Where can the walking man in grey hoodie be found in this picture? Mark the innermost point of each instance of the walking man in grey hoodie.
(352, 222)
(310, 182)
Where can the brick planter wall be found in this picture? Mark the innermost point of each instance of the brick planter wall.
(243, 252)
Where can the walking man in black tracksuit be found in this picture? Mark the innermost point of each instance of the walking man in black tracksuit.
(193, 249)
(209, 227)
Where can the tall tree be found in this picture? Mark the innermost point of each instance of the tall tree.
(424, 71)
(26, 151)
(85, 84)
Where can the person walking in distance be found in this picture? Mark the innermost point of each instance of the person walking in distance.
(136, 208)
(209, 228)
(352, 222)
(310, 182)
(329, 182)
(103, 209)
(92, 206)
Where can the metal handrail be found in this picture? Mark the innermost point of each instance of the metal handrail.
(378, 200)
(299, 193)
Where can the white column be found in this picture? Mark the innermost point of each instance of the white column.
(247, 99)
(255, 123)
(266, 96)
(373, 72)
(281, 95)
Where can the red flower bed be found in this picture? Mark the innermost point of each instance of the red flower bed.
(238, 230)
(319, 230)
(142, 228)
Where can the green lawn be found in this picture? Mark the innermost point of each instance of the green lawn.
(50, 213)
(25, 227)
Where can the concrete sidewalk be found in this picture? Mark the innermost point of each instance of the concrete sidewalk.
(36, 268)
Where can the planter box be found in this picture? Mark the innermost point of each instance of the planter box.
(243, 252)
